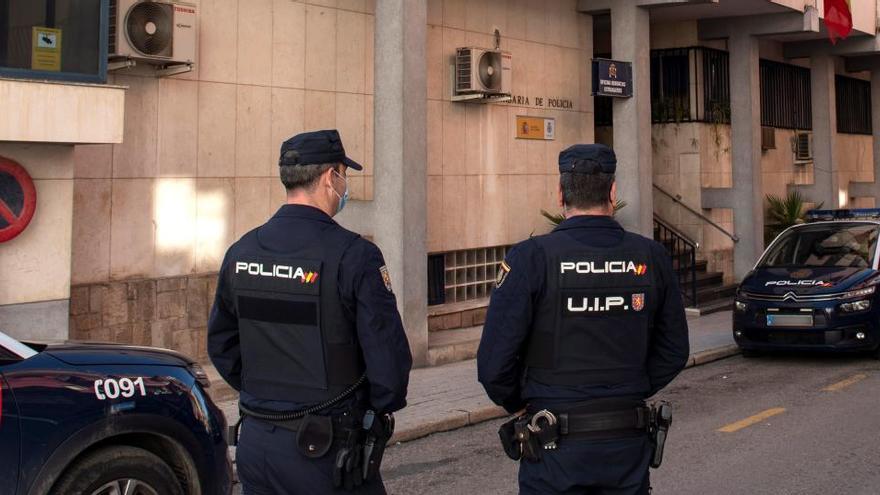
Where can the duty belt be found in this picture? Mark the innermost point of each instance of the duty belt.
(295, 425)
(528, 435)
(548, 427)
(601, 421)
(360, 440)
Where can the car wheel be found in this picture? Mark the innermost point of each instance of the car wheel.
(749, 353)
(119, 471)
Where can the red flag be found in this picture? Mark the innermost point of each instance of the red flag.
(838, 19)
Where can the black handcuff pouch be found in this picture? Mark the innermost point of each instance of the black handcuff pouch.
(507, 434)
(519, 441)
(315, 436)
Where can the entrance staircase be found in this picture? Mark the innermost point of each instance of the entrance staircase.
(703, 291)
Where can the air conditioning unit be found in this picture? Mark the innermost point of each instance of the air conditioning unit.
(803, 147)
(152, 31)
(482, 71)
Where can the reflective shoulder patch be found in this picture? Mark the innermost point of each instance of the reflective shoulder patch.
(386, 277)
(501, 276)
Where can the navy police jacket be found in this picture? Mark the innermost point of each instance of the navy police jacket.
(585, 312)
(303, 308)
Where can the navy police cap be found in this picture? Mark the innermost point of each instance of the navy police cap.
(587, 159)
(313, 148)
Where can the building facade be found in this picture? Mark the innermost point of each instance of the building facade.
(732, 100)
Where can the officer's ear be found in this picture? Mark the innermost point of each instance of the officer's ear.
(613, 194)
(327, 177)
(559, 198)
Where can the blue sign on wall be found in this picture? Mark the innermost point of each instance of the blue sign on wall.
(612, 78)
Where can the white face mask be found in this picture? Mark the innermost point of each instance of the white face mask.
(343, 199)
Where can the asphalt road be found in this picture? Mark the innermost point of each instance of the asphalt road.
(791, 425)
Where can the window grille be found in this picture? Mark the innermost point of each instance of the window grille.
(690, 85)
(785, 96)
(465, 275)
(436, 285)
(716, 85)
(853, 97)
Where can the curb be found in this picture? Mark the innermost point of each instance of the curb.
(453, 421)
(460, 419)
(711, 355)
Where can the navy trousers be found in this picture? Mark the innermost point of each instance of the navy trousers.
(590, 467)
(270, 464)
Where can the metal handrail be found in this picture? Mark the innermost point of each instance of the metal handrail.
(668, 226)
(677, 199)
(683, 251)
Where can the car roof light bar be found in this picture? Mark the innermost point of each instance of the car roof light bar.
(843, 214)
(16, 347)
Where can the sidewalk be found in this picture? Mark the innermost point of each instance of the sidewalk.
(448, 397)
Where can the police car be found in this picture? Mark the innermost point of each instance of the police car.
(104, 419)
(815, 287)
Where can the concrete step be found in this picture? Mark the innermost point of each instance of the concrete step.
(704, 279)
(713, 293)
(685, 264)
(450, 346)
(455, 316)
(710, 307)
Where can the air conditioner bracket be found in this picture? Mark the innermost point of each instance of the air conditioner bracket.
(173, 70)
(120, 63)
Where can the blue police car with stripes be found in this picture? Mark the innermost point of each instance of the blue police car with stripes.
(305, 325)
(584, 325)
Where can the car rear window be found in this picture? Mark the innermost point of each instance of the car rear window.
(833, 245)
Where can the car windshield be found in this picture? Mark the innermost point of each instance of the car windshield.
(8, 344)
(831, 245)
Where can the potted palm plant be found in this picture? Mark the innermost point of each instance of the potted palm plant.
(783, 212)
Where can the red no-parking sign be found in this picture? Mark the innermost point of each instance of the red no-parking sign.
(18, 199)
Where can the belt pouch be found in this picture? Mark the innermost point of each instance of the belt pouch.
(530, 444)
(509, 443)
(315, 436)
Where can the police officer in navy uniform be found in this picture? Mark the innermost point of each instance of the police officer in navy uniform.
(584, 324)
(305, 321)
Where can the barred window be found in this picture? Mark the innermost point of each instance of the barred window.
(690, 85)
(853, 97)
(670, 85)
(785, 96)
(716, 80)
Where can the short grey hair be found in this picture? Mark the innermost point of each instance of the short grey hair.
(303, 176)
(585, 191)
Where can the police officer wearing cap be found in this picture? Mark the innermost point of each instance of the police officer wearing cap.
(305, 326)
(584, 324)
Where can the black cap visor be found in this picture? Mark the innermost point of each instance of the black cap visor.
(348, 162)
(293, 158)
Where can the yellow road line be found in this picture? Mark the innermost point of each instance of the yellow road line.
(751, 420)
(845, 383)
